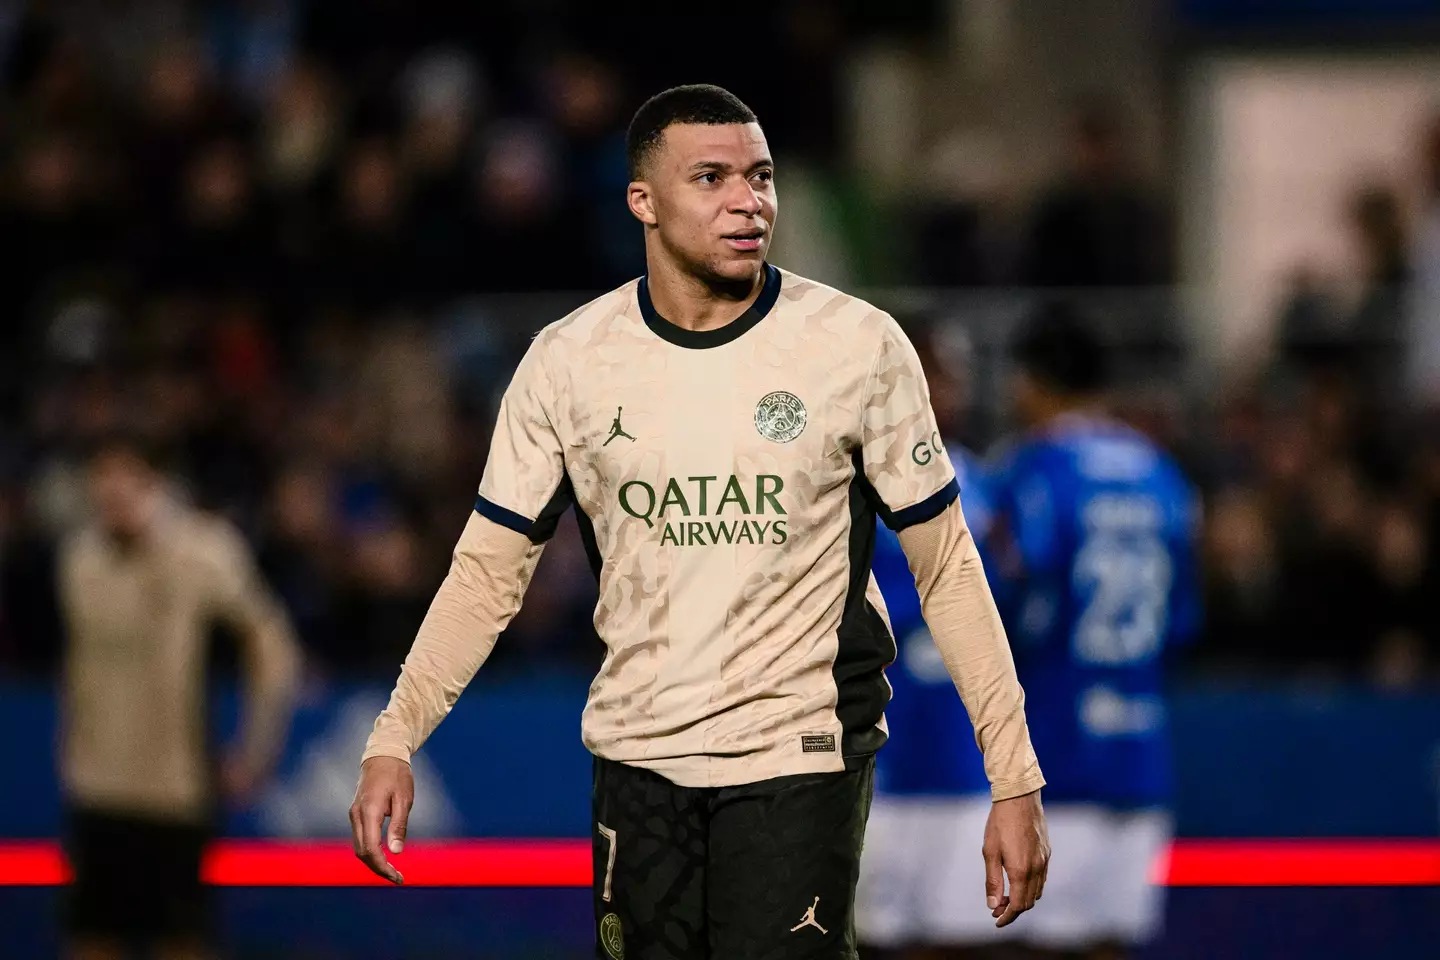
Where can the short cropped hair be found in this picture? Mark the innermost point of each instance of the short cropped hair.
(694, 103)
(1059, 347)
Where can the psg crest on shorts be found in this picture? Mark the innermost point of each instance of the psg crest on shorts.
(780, 416)
(611, 936)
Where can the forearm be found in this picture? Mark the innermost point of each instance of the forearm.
(966, 627)
(273, 676)
(488, 575)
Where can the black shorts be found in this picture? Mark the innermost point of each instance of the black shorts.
(764, 871)
(136, 879)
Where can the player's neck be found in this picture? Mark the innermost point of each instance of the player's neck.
(691, 303)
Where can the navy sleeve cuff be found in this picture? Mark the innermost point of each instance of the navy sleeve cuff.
(927, 509)
(506, 518)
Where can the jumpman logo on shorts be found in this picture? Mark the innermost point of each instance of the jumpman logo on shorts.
(616, 430)
(809, 919)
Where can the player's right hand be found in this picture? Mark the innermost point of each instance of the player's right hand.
(386, 789)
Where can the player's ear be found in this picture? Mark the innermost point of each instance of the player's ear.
(642, 202)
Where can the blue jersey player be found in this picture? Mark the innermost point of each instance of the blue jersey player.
(1093, 562)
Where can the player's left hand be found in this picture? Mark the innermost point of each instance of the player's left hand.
(1017, 847)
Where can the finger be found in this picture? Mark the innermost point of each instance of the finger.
(994, 881)
(1025, 894)
(371, 853)
(379, 865)
(372, 817)
(399, 818)
(357, 830)
(1021, 898)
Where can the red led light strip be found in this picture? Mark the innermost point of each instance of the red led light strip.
(1301, 863)
(566, 863)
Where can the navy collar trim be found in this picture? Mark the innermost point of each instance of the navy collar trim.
(705, 339)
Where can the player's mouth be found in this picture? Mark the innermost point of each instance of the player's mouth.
(745, 240)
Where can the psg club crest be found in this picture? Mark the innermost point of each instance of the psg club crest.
(780, 416)
(611, 936)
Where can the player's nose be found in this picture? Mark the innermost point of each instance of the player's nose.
(744, 200)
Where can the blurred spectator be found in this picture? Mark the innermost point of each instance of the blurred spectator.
(67, 233)
(1330, 588)
(387, 594)
(367, 259)
(1240, 577)
(300, 129)
(179, 108)
(1376, 327)
(365, 40)
(1423, 328)
(142, 584)
(55, 70)
(1099, 226)
(524, 234)
(251, 43)
(805, 120)
(1308, 325)
(955, 242)
(583, 97)
(298, 550)
(217, 243)
(443, 100)
(407, 395)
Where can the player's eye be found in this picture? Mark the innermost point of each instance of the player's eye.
(765, 176)
(709, 177)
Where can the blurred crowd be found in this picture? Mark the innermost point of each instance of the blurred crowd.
(301, 245)
(1322, 462)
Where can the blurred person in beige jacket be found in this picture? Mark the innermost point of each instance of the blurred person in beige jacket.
(140, 586)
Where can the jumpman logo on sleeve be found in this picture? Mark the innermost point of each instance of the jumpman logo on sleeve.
(616, 430)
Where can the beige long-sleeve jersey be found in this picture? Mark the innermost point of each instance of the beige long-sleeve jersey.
(137, 618)
(727, 485)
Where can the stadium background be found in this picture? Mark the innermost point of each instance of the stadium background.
(303, 243)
